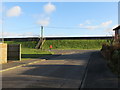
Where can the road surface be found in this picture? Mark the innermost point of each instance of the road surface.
(64, 71)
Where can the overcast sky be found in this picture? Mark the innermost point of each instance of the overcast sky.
(59, 18)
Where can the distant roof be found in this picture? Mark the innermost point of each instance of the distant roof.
(118, 27)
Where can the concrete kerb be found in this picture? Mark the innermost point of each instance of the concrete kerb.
(22, 65)
(85, 74)
(37, 60)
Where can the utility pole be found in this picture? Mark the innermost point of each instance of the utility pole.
(2, 36)
(41, 31)
(2, 24)
(41, 36)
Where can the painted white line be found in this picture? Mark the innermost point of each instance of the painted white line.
(22, 65)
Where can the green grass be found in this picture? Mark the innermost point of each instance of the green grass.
(74, 44)
(24, 44)
(28, 51)
(61, 44)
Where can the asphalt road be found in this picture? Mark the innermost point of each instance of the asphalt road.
(64, 71)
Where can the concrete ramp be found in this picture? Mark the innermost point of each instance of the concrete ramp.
(40, 44)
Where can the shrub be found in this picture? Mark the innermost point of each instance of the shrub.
(115, 57)
(116, 46)
(112, 54)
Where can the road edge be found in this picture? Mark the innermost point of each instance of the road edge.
(85, 72)
(22, 65)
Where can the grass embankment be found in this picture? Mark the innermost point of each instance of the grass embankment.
(28, 50)
(74, 44)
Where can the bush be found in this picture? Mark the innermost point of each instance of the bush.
(115, 57)
(116, 46)
(111, 52)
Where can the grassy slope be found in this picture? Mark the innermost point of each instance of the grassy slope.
(28, 51)
(60, 44)
(74, 44)
(24, 44)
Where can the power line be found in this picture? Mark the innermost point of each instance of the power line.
(60, 27)
(52, 27)
(66, 28)
(25, 28)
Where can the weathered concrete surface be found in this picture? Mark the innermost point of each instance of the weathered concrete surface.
(65, 71)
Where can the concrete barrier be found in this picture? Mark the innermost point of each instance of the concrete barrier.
(3, 53)
(14, 52)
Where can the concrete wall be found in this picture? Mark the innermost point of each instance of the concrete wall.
(3, 53)
(14, 51)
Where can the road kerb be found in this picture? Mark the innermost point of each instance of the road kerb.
(22, 65)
